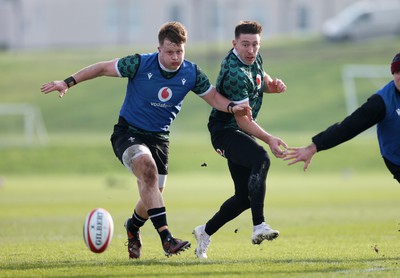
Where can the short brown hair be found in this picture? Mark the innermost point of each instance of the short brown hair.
(247, 27)
(173, 31)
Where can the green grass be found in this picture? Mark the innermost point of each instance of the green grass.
(92, 154)
(329, 225)
(330, 217)
(311, 68)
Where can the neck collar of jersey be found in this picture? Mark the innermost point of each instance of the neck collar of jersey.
(237, 55)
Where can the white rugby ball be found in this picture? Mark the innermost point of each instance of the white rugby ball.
(98, 230)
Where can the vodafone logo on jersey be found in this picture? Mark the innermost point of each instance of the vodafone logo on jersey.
(258, 80)
(164, 94)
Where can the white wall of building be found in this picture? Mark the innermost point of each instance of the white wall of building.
(28, 24)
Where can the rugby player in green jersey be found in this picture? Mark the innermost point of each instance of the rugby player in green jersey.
(242, 79)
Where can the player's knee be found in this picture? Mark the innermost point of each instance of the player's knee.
(132, 153)
(147, 171)
(243, 202)
(150, 179)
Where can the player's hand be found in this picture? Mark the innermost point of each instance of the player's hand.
(59, 86)
(276, 86)
(278, 147)
(305, 154)
(242, 110)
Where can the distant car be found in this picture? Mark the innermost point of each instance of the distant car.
(364, 19)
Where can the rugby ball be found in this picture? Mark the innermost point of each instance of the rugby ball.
(98, 230)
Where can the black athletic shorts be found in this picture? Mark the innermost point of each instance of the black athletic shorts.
(393, 168)
(238, 147)
(125, 136)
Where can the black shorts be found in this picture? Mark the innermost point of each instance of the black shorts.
(123, 137)
(393, 168)
(238, 147)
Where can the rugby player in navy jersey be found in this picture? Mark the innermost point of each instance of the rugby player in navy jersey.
(381, 109)
(157, 85)
(242, 79)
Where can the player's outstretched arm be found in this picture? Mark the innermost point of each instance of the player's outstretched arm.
(106, 68)
(249, 126)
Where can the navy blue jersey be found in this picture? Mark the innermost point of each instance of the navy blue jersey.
(389, 128)
(154, 97)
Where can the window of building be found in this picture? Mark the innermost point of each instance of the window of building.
(123, 20)
(303, 18)
(175, 13)
(217, 17)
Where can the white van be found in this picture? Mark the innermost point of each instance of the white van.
(364, 19)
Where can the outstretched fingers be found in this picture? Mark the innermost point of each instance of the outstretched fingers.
(47, 87)
(59, 86)
(295, 155)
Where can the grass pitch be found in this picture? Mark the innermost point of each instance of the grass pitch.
(331, 224)
(338, 219)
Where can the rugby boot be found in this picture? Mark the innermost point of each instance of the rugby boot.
(134, 242)
(174, 246)
(203, 241)
(262, 232)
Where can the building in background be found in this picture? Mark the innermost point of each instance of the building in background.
(26, 24)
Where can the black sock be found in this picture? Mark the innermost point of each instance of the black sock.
(164, 235)
(136, 222)
(158, 216)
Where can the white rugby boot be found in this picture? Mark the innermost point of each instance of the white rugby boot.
(262, 232)
(203, 241)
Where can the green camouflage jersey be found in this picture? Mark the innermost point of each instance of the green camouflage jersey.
(128, 66)
(238, 82)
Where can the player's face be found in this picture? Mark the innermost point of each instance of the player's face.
(171, 55)
(247, 46)
(396, 78)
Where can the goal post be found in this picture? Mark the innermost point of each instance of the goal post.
(34, 130)
(373, 73)
(349, 75)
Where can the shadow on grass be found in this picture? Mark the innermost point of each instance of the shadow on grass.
(274, 266)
